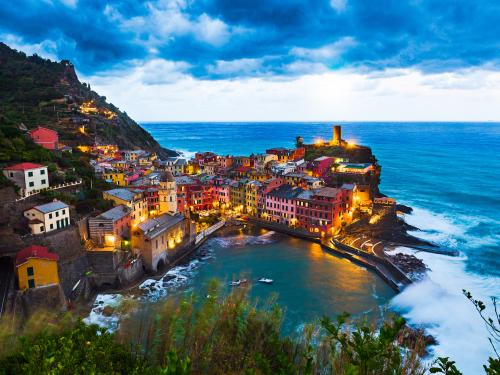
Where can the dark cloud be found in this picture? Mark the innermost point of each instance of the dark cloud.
(267, 37)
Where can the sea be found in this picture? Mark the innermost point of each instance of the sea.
(449, 173)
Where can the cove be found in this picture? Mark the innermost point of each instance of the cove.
(308, 281)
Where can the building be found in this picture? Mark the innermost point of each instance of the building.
(280, 205)
(320, 166)
(237, 194)
(36, 267)
(167, 193)
(29, 177)
(111, 227)
(252, 197)
(133, 199)
(285, 154)
(354, 168)
(261, 160)
(115, 177)
(47, 138)
(321, 211)
(48, 217)
(158, 238)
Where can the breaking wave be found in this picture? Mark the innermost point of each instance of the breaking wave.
(437, 303)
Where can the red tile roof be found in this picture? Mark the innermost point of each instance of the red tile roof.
(43, 130)
(34, 251)
(23, 167)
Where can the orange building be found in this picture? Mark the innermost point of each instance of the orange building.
(36, 267)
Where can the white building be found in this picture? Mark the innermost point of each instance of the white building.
(29, 177)
(48, 217)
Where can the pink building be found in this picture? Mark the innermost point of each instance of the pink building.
(221, 194)
(321, 165)
(280, 205)
(47, 138)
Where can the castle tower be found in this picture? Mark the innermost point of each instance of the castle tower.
(337, 135)
(167, 193)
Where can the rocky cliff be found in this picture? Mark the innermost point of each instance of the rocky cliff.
(36, 91)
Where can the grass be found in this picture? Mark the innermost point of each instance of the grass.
(212, 334)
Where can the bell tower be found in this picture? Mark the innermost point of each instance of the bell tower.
(167, 193)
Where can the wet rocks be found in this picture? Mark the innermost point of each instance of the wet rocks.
(415, 338)
(414, 267)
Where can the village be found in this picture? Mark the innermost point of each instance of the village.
(161, 210)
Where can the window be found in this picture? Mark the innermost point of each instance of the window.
(30, 271)
(31, 184)
(44, 182)
(30, 174)
(63, 212)
(57, 213)
(31, 283)
(11, 174)
(42, 172)
(50, 216)
(51, 226)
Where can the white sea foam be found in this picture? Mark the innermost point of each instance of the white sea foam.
(96, 315)
(243, 240)
(437, 302)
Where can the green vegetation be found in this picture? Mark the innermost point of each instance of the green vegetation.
(215, 334)
(36, 91)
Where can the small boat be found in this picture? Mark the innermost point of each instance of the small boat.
(235, 283)
(265, 281)
(243, 281)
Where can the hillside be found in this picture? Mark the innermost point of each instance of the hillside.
(35, 91)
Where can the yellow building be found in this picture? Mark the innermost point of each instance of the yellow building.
(133, 199)
(252, 190)
(118, 178)
(36, 267)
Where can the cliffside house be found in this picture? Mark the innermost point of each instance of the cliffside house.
(29, 177)
(116, 177)
(134, 199)
(158, 238)
(36, 267)
(48, 217)
(110, 228)
(47, 138)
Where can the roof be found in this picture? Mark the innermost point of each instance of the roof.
(184, 180)
(122, 194)
(347, 186)
(167, 176)
(321, 158)
(34, 251)
(51, 207)
(286, 192)
(41, 128)
(181, 162)
(157, 225)
(355, 165)
(23, 167)
(116, 213)
(327, 192)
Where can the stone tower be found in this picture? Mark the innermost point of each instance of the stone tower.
(167, 193)
(337, 135)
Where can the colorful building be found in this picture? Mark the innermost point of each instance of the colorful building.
(36, 267)
(252, 197)
(280, 205)
(47, 138)
(115, 177)
(321, 211)
(48, 217)
(111, 227)
(133, 199)
(29, 177)
(158, 239)
(321, 166)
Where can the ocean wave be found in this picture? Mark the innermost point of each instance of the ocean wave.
(97, 316)
(437, 302)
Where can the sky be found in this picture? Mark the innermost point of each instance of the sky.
(261, 60)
